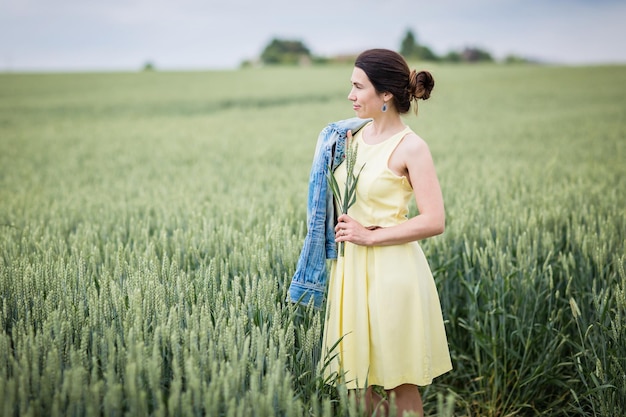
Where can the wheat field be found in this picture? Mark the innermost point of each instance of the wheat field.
(150, 224)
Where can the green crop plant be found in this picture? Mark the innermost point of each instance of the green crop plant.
(150, 224)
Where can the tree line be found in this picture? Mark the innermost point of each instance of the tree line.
(295, 52)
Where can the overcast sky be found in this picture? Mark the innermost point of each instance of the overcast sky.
(207, 34)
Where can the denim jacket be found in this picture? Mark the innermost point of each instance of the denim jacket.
(310, 277)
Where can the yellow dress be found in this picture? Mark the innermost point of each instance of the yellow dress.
(383, 315)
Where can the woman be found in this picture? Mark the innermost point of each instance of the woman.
(384, 325)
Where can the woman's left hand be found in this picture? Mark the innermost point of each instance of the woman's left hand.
(349, 230)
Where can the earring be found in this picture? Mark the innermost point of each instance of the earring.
(384, 109)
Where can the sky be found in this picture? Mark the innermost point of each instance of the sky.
(94, 35)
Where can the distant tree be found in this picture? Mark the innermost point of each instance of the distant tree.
(282, 51)
(425, 53)
(408, 47)
(452, 56)
(472, 54)
(246, 63)
(411, 49)
(148, 66)
(516, 59)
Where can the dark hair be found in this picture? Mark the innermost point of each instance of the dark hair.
(389, 72)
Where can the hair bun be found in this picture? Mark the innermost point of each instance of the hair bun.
(421, 84)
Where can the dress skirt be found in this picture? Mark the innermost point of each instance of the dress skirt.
(384, 310)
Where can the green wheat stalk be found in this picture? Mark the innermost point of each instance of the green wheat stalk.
(349, 195)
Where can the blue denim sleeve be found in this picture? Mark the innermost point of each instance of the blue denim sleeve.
(309, 280)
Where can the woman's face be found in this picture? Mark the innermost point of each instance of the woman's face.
(366, 102)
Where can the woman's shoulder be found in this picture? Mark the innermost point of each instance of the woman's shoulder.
(413, 145)
(413, 140)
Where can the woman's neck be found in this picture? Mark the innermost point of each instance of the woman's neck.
(382, 128)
